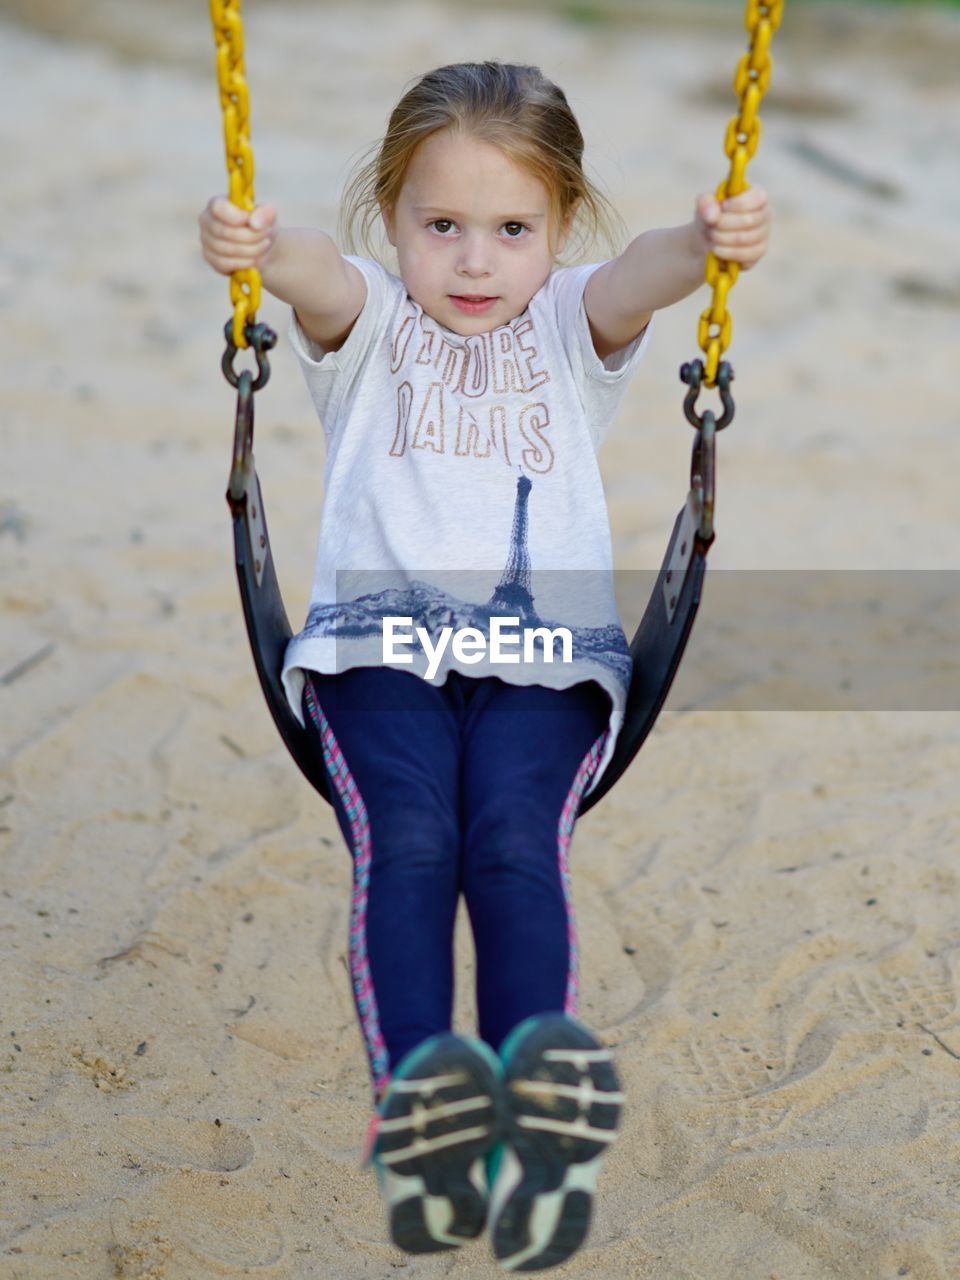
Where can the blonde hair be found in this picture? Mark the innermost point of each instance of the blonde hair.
(514, 108)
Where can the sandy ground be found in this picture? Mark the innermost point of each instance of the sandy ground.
(768, 901)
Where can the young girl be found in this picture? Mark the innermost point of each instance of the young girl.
(464, 540)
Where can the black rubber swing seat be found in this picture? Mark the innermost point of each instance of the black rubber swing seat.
(656, 648)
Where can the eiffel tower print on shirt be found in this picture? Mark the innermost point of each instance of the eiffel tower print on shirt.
(513, 591)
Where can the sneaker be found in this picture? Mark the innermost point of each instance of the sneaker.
(563, 1106)
(437, 1122)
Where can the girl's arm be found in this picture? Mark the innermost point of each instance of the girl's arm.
(301, 267)
(660, 267)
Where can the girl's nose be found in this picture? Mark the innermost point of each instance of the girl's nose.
(474, 257)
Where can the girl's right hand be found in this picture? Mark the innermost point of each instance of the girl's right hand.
(233, 239)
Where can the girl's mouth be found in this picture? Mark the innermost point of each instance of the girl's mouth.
(472, 304)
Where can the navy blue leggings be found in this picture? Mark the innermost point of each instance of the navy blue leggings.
(471, 787)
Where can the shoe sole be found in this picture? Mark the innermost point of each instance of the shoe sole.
(441, 1118)
(563, 1109)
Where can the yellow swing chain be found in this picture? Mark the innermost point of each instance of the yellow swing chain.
(743, 134)
(235, 104)
(752, 78)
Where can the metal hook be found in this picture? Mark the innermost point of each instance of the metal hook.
(703, 475)
(242, 442)
(692, 375)
(261, 339)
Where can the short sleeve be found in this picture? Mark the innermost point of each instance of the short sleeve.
(331, 374)
(601, 383)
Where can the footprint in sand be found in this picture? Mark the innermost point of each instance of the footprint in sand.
(732, 1078)
(924, 997)
(749, 1082)
(722, 1068)
(221, 1148)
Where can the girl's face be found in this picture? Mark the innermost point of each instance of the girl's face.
(472, 233)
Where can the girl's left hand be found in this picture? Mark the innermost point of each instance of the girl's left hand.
(737, 230)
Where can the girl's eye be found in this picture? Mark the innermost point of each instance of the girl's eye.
(514, 230)
(442, 225)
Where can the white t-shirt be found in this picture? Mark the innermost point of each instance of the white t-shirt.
(462, 491)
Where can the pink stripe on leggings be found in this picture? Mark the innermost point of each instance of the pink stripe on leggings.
(356, 811)
(568, 818)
